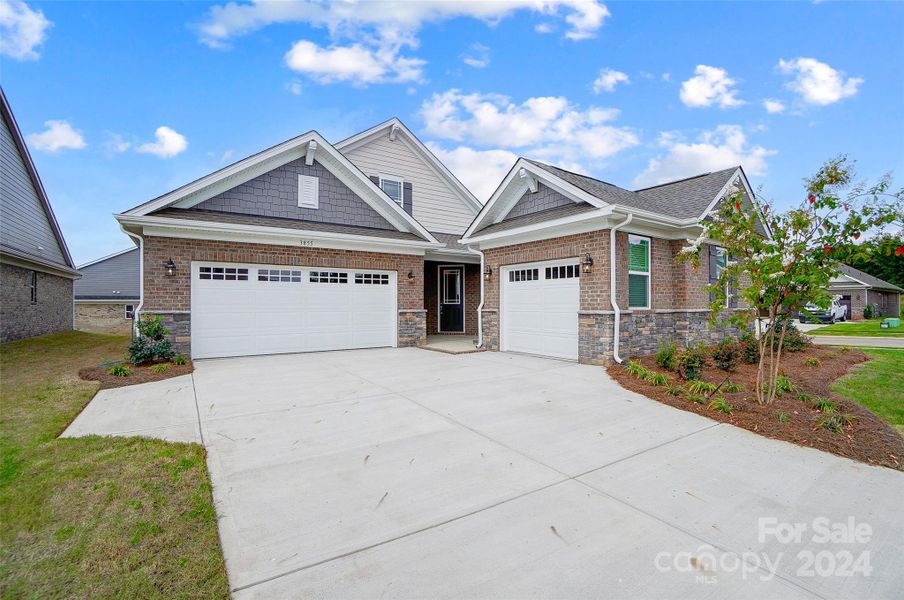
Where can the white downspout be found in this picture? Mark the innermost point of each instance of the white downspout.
(612, 290)
(137, 311)
(480, 306)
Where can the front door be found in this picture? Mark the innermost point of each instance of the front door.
(451, 299)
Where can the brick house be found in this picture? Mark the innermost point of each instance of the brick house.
(36, 269)
(311, 246)
(579, 269)
(857, 289)
(107, 293)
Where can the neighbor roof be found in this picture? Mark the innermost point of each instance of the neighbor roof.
(113, 277)
(868, 279)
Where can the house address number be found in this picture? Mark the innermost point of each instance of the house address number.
(307, 243)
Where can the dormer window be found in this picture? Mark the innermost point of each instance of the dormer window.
(393, 188)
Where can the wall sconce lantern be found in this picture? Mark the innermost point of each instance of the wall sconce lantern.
(170, 267)
(487, 272)
(587, 263)
(411, 276)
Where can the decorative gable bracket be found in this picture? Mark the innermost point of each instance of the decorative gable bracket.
(529, 179)
(309, 154)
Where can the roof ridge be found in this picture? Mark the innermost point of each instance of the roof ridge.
(708, 173)
(537, 162)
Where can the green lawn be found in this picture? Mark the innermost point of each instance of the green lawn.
(878, 385)
(859, 328)
(95, 517)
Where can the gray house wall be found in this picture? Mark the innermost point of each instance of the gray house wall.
(22, 318)
(110, 279)
(275, 194)
(544, 198)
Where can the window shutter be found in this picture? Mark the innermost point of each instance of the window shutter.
(407, 202)
(732, 292)
(637, 291)
(375, 179)
(638, 256)
(308, 192)
(713, 270)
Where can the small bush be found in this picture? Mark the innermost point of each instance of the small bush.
(721, 405)
(868, 311)
(836, 422)
(151, 343)
(823, 404)
(696, 398)
(161, 368)
(795, 341)
(750, 351)
(813, 362)
(667, 354)
(783, 418)
(691, 361)
(180, 359)
(637, 370)
(731, 387)
(783, 384)
(674, 390)
(656, 378)
(727, 354)
(119, 371)
(845, 349)
(698, 386)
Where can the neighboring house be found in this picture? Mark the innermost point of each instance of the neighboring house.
(557, 285)
(857, 289)
(36, 270)
(108, 292)
(311, 246)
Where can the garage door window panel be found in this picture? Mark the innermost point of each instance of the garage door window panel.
(329, 277)
(223, 273)
(279, 275)
(638, 272)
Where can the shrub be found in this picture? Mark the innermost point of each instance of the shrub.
(783, 418)
(674, 390)
(823, 404)
(836, 422)
(161, 368)
(119, 371)
(812, 362)
(845, 349)
(698, 386)
(868, 311)
(666, 355)
(731, 387)
(721, 405)
(656, 378)
(151, 343)
(180, 359)
(637, 370)
(727, 354)
(750, 350)
(691, 361)
(783, 384)
(795, 341)
(696, 398)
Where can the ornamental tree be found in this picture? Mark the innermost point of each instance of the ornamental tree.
(779, 262)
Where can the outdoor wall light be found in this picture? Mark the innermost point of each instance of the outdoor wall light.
(487, 272)
(170, 267)
(587, 263)
(410, 275)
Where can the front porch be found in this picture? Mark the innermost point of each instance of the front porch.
(452, 343)
(451, 298)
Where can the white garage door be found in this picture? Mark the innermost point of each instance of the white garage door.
(540, 304)
(241, 309)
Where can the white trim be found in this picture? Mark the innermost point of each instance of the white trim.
(109, 256)
(538, 227)
(107, 300)
(439, 297)
(24, 263)
(125, 311)
(648, 274)
(400, 180)
(613, 288)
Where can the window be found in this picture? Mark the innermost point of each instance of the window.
(33, 286)
(393, 188)
(328, 277)
(524, 275)
(563, 272)
(638, 272)
(451, 286)
(372, 278)
(308, 192)
(721, 261)
(130, 311)
(279, 275)
(223, 273)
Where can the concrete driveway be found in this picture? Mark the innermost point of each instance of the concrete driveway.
(408, 473)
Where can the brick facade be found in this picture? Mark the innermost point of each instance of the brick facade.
(678, 296)
(171, 296)
(22, 318)
(103, 317)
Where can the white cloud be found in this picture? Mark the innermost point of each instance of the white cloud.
(666, 76)
(59, 135)
(818, 83)
(22, 30)
(168, 143)
(608, 80)
(355, 64)
(548, 126)
(773, 106)
(709, 85)
(293, 87)
(543, 28)
(726, 146)
(477, 57)
(116, 144)
(480, 170)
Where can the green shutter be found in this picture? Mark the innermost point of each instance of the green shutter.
(637, 291)
(639, 256)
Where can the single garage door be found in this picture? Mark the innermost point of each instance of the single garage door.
(540, 304)
(241, 309)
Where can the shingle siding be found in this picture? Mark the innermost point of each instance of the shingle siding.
(544, 198)
(275, 194)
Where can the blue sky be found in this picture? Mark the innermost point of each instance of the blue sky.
(121, 102)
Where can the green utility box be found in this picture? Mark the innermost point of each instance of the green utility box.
(890, 323)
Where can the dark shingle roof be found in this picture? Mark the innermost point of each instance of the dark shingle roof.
(224, 217)
(868, 279)
(450, 240)
(539, 217)
(112, 278)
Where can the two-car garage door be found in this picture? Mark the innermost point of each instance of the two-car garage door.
(540, 303)
(243, 309)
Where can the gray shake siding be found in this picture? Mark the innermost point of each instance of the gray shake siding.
(275, 194)
(545, 198)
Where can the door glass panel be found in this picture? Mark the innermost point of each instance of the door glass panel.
(451, 288)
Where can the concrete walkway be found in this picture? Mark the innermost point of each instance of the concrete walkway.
(405, 473)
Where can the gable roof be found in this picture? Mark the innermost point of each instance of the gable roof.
(113, 277)
(397, 127)
(867, 279)
(206, 187)
(15, 199)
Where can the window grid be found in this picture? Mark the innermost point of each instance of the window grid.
(524, 275)
(129, 311)
(393, 188)
(563, 272)
(223, 273)
(274, 275)
(638, 271)
(329, 277)
(372, 278)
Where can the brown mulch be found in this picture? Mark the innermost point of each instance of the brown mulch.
(869, 439)
(140, 374)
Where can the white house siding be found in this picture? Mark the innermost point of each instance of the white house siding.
(434, 204)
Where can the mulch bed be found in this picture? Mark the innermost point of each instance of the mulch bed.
(869, 439)
(140, 374)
